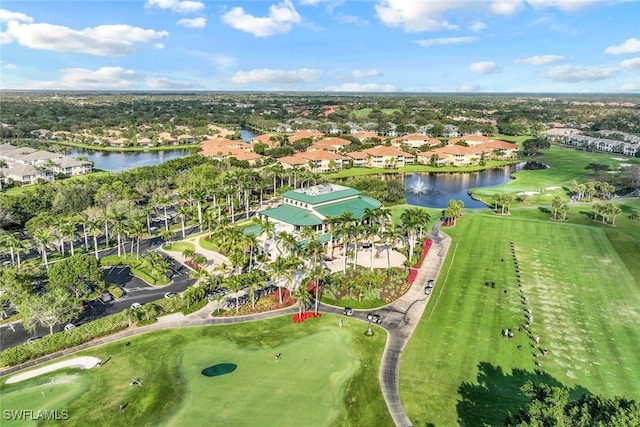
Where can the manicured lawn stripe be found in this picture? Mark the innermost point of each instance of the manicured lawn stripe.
(457, 369)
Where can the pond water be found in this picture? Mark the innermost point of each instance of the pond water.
(119, 161)
(434, 190)
(246, 134)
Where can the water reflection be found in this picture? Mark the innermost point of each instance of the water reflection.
(434, 190)
(118, 161)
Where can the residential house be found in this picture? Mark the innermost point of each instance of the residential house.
(314, 161)
(307, 133)
(382, 156)
(415, 140)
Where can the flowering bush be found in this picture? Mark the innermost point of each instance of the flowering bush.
(306, 315)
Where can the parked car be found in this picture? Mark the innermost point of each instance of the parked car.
(427, 290)
(69, 326)
(169, 295)
(136, 305)
(375, 318)
(106, 297)
(430, 283)
(348, 311)
(32, 339)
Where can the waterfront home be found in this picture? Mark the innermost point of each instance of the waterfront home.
(314, 161)
(415, 140)
(381, 156)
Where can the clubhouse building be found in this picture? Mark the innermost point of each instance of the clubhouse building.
(311, 206)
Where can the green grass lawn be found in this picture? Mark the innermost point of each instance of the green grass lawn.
(582, 287)
(326, 376)
(179, 246)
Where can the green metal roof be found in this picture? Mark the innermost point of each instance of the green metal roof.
(292, 215)
(355, 206)
(320, 198)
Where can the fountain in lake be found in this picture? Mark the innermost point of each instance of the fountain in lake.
(418, 188)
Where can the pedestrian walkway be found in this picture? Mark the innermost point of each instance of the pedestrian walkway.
(400, 320)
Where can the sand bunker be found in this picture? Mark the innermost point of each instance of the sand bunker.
(86, 362)
(552, 188)
(618, 158)
(529, 193)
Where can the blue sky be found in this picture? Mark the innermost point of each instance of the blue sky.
(322, 45)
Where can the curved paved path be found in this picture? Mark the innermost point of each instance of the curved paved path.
(399, 319)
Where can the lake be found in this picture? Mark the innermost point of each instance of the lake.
(117, 161)
(434, 190)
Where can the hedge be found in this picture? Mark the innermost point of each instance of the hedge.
(62, 340)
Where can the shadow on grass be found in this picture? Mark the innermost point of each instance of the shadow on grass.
(219, 369)
(544, 210)
(497, 395)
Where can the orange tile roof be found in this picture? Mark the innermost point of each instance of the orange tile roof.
(500, 145)
(319, 155)
(363, 135)
(263, 139)
(357, 155)
(383, 150)
(470, 138)
(305, 134)
(292, 160)
(332, 140)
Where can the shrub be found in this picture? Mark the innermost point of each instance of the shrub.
(62, 340)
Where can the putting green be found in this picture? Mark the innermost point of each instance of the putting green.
(325, 376)
(51, 393)
(307, 379)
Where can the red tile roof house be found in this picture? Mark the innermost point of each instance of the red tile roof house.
(313, 134)
(222, 152)
(267, 139)
(365, 136)
(382, 156)
(332, 144)
(415, 140)
(315, 161)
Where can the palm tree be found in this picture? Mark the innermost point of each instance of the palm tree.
(317, 275)
(286, 243)
(10, 241)
(43, 238)
(95, 230)
(199, 195)
(370, 233)
(413, 220)
(303, 298)
(278, 269)
(183, 212)
(356, 231)
(332, 221)
(235, 286)
(390, 237)
(68, 231)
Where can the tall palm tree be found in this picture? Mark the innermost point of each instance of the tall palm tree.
(317, 275)
(43, 238)
(303, 298)
(183, 212)
(235, 285)
(370, 233)
(95, 230)
(68, 231)
(9, 241)
(286, 243)
(390, 237)
(356, 231)
(200, 196)
(412, 220)
(332, 222)
(277, 270)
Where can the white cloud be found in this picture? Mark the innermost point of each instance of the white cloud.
(539, 60)
(483, 67)
(193, 23)
(280, 20)
(466, 87)
(574, 74)
(478, 26)
(360, 87)
(278, 77)
(362, 74)
(505, 7)
(566, 5)
(104, 40)
(85, 79)
(331, 3)
(7, 15)
(218, 61)
(629, 46)
(162, 83)
(177, 6)
(444, 41)
(350, 19)
(632, 64)
(158, 45)
(9, 66)
(416, 16)
(630, 87)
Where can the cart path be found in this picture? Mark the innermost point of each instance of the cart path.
(400, 318)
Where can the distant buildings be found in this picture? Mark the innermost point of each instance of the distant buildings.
(27, 165)
(626, 144)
